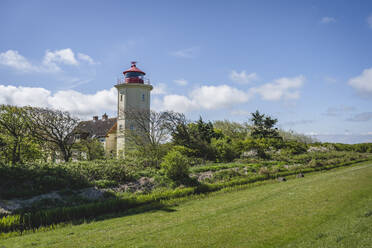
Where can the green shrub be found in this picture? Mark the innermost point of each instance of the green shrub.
(104, 183)
(264, 171)
(226, 175)
(314, 163)
(176, 166)
(224, 150)
(190, 153)
(38, 178)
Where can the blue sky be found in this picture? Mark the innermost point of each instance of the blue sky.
(307, 63)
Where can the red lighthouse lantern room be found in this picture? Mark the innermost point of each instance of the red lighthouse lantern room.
(134, 75)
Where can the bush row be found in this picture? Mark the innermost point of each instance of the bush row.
(34, 220)
(217, 167)
(38, 178)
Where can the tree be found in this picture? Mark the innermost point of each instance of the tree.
(92, 147)
(232, 129)
(14, 132)
(263, 126)
(224, 149)
(55, 127)
(151, 130)
(197, 136)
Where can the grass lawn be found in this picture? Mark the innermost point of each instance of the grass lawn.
(329, 209)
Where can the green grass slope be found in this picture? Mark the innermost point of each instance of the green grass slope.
(330, 209)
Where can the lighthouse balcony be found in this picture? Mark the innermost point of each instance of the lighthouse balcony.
(134, 80)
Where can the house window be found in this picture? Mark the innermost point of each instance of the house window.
(143, 97)
(131, 127)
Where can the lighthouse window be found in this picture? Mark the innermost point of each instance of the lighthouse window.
(133, 74)
(121, 98)
(143, 97)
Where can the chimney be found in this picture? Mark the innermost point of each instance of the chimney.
(104, 117)
(95, 118)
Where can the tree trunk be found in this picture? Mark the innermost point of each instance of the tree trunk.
(14, 153)
(65, 153)
(19, 152)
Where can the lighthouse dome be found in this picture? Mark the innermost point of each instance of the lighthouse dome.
(134, 75)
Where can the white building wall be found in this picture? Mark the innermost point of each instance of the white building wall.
(130, 97)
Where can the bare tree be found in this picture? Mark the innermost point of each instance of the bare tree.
(55, 127)
(150, 130)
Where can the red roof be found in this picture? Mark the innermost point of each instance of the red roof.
(134, 68)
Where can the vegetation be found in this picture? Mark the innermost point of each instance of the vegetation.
(53, 127)
(38, 178)
(175, 170)
(176, 166)
(323, 210)
(92, 148)
(263, 126)
(17, 145)
(181, 157)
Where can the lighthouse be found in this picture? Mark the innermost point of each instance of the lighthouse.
(133, 96)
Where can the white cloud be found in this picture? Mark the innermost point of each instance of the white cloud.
(224, 96)
(214, 97)
(178, 103)
(327, 20)
(191, 52)
(79, 104)
(159, 89)
(363, 82)
(282, 88)
(243, 77)
(51, 61)
(181, 82)
(86, 58)
(205, 97)
(16, 61)
(23, 96)
(63, 56)
(369, 20)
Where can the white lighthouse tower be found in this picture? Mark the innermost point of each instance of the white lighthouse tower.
(133, 96)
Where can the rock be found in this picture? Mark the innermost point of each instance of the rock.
(8, 206)
(300, 175)
(92, 193)
(281, 179)
(204, 175)
(143, 184)
(318, 149)
(250, 153)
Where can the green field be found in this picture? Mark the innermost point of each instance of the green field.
(330, 209)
